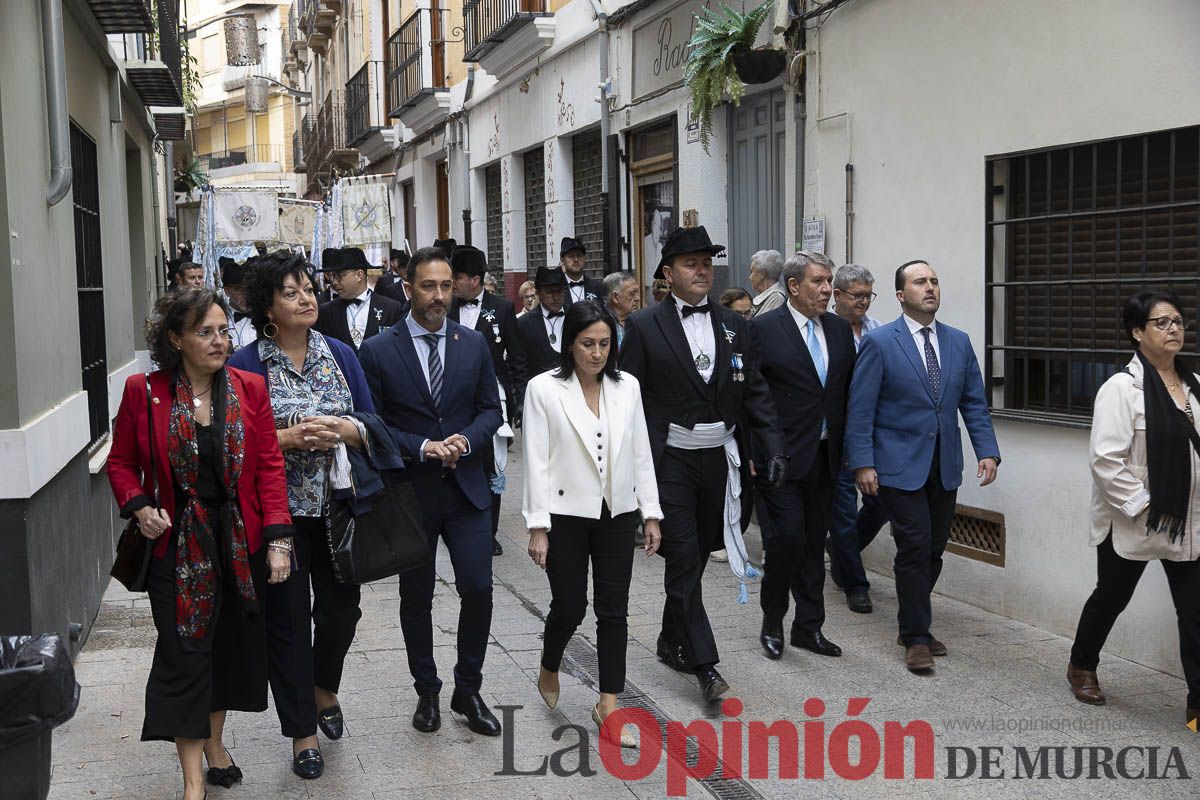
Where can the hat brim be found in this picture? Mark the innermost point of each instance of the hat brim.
(714, 251)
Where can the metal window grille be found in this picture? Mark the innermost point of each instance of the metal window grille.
(535, 209)
(1071, 232)
(495, 217)
(589, 206)
(89, 273)
(978, 534)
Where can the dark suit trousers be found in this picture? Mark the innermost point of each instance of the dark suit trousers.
(691, 490)
(1116, 578)
(794, 539)
(466, 531)
(608, 544)
(921, 527)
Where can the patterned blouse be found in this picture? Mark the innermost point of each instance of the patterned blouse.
(318, 389)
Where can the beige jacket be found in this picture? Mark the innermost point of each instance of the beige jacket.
(1120, 492)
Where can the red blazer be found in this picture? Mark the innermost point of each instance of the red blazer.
(262, 489)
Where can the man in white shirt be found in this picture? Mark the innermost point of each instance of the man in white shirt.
(572, 258)
(542, 328)
(357, 313)
(765, 269)
(234, 277)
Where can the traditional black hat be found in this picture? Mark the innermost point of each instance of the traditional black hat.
(686, 240)
(570, 243)
(446, 246)
(398, 255)
(336, 259)
(549, 278)
(468, 260)
(233, 273)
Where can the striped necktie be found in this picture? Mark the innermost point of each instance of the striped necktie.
(435, 368)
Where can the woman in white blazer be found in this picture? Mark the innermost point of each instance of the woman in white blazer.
(1145, 458)
(588, 474)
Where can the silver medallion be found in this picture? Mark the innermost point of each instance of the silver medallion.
(703, 361)
(553, 338)
(356, 337)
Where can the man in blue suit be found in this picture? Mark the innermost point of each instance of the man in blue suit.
(911, 381)
(433, 383)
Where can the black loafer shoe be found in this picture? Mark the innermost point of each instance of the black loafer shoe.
(712, 685)
(859, 601)
(224, 776)
(816, 642)
(497, 550)
(428, 717)
(479, 718)
(771, 639)
(330, 722)
(672, 655)
(308, 764)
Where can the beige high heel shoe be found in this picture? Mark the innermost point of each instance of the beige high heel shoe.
(627, 737)
(548, 692)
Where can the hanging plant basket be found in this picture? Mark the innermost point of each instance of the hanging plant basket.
(759, 66)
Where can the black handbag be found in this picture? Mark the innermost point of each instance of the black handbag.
(385, 541)
(132, 564)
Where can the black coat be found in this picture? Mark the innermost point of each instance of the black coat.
(539, 355)
(783, 358)
(382, 314)
(391, 286)
(592, 286)
(504, 343)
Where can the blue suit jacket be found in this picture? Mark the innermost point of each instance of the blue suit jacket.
(893, 421)
(470, 402)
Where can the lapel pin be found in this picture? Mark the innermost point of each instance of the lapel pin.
(156, 401)
(456, 337)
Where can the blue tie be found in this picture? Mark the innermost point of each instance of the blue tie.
(932, 366)
(814, 349)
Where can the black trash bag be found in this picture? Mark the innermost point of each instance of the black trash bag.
(38, 691)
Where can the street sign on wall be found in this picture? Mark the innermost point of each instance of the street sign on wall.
(660, 46)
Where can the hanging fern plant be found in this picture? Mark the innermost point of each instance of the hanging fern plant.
(712, 73)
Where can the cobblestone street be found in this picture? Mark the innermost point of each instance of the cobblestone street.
(1001, 686)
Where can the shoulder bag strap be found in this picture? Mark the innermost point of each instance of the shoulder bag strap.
(150, 423)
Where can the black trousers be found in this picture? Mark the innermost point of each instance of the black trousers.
(691, 490)
(921, 527)
(608, 543)
(184, 687)
(1116, 578)
(465, 529)
(794, 539)
(308, 642)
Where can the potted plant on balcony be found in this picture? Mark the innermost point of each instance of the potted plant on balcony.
(189, 175)
(722, 59)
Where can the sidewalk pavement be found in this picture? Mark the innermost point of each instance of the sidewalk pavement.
(1003, 686)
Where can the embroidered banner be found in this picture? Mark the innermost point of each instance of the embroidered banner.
(366, 213)
(297, 222)
(245, 216)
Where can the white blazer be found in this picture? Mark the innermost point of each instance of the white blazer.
(561, 460)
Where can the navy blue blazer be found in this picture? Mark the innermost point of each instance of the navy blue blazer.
(470, 402)
(248, 359)
(893, 421)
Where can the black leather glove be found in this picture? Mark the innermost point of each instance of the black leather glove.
(776, 470)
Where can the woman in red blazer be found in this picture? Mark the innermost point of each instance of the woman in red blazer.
(217, 493)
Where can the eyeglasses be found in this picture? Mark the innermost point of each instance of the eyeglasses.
(869, 297)
(204, 334)
(1165, 324)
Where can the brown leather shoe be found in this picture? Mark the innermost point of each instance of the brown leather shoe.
(936, 648)
(918, 658)
(1085, 686)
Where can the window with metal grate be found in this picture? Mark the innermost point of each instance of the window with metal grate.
(89, 274)
(535, 210)
(589, 207)
(1071, 233)
(495, 217)
(978, 534)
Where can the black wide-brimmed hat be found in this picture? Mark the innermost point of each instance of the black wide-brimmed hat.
(549, 278)
(686, 240)
(447, 246)
(468, 260)
(336, 259)
(570, 243)
(398, 255)
(233, 273)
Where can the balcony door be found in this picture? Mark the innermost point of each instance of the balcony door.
(443, 200)
(437, 44)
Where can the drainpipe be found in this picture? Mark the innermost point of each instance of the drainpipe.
(605, 130)
(56, 101)
(849, 214)
(169, 193)
(464, 132)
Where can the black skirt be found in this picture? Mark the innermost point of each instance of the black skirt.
(185, 687)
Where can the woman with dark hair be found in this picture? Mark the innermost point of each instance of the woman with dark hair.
(1145, 459)
(197, 464)
(588, 472)
(315, 382)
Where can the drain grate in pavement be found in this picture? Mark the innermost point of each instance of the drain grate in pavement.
(582, 661)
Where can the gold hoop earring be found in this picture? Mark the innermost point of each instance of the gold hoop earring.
(270, 330)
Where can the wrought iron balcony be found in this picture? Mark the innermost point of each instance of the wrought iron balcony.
(489, 24)
(308, 140)
(364, 103)
(123, 16)
(154, 71)
(240, 156)
(416, 69)
(330, 150)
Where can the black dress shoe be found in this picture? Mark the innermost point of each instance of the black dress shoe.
(859, 601)
(330, 722)
(497, 550)
(771, 639)
(224, 776)
(428, 717)
(479, 718)
(814, 641)
(673, 656)
(308, 764)
(712, 685)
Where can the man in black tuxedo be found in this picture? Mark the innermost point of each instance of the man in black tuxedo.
(704, 401)
(357, 313)
(806, 354)
(391, 284)
(572, 256)
(541, 329)
(433, 384)
(493, 316)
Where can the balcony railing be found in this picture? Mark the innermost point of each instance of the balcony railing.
(328, 138)
(237, 156)
(364, 102)
(406, 76)
(154, 65)
(488, 22)
(123, 16)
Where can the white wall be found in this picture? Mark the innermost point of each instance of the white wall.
(929, 90)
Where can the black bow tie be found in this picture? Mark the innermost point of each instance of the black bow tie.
(573, 284)
(238, 316)
(474, 302)
(687, 311)
(357, 301)
(553, 314)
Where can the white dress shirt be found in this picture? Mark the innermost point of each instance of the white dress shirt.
(802, 323)
(356, 316)
(919, 339)
(578, 292)
(243, 333)
(553, 326)
(469, 315)
(698, 331)
(422, 347)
